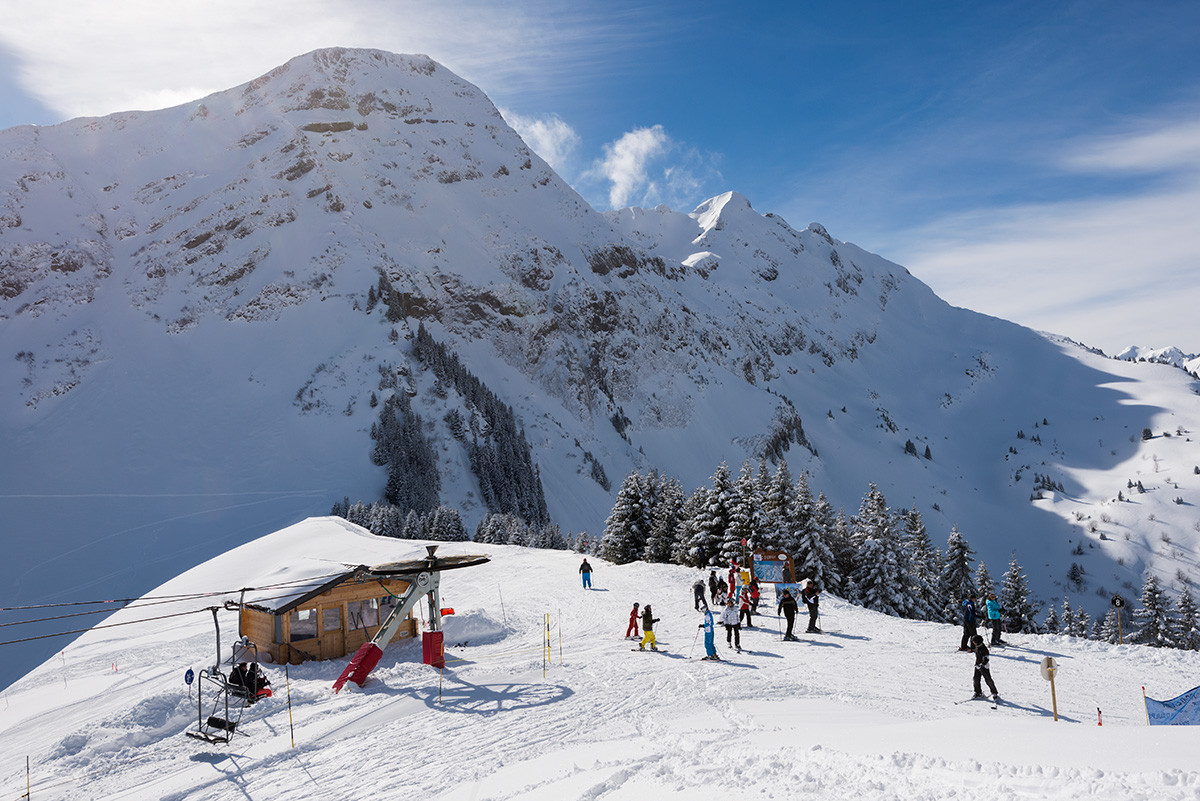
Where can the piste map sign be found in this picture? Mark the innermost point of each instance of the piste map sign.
(772, 567)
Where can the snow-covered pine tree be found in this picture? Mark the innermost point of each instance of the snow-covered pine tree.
(802, 516)
(1187, 623)
(447, 525)
(628, 525)
(1050, 624)
(711, 519)
(983, 580)
(922, 561)
(955, 583)
(666, 519)
(1070, 623)
(839, 543)
(1153, 618)
(1106, 628)
(745, 518)
(878, 582)
(814, 558)
(1083, 623)
(778, 509)
(1015, 609)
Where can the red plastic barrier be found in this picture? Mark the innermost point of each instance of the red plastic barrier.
(360, 666)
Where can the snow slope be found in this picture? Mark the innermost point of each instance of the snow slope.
(868, 709)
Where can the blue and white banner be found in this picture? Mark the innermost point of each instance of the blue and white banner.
(1181, 711)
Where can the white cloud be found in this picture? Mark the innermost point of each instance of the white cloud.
(1109, 271)
(548, 136)
(85, 58)
(626, 161)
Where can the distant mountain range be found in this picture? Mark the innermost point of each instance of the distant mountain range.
(204, 309)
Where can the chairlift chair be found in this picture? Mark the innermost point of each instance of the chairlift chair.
(228, 698)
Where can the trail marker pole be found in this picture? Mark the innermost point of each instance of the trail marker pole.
(560, 657)
(288, 682)
(1119, 603)
(1049, 668)
(28, 785)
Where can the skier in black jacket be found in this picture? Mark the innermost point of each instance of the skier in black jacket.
(982, 671)
(811, 595)
(712, 585)
(970, 622)
(698, 594)
(648, 621)
(787, 605)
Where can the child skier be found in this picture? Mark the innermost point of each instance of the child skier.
(981, 669)
(733, 630)
(648, 621)
(633, 623)
(709, 648)
(746, 609)
(970, 622)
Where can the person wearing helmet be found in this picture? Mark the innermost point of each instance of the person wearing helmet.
(633, 624)
(698, 593)
(733, 629)
(811, 595)
(648, 621)
(982, 671)
(787, 605)
(970, 622)
(993, 617)
(710, 649)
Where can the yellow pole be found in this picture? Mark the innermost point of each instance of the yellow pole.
(560, 660)
(288, 681)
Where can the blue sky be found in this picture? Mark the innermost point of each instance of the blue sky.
(1036, 161)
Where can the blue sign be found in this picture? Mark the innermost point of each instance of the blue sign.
(189, 677)
(1181, 711)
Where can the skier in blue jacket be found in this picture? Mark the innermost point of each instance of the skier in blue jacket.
(993, 616)
(709, 647)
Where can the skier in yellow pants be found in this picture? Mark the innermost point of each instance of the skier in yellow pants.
(648, 621)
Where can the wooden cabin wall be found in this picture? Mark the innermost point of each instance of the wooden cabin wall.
(260, 626)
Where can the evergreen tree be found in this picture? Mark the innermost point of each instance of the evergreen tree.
(665, 521)
(840, 544)
(712, 519)
(682, 553)
(745, 518)
(1084, 623)
(1107, 630)
(878, 580)
(628, 525)
(1187, 624)
(1050, 624)
(814, 558)
(1015, 609)
(983, 580)
(401, 446)
(778, 510)
(955, 583)
(922, 561)
(1154, 622)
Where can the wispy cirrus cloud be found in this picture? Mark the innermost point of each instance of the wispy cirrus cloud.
(1108, 268)
(548, 136)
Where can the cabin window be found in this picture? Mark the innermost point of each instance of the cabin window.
(331, 619)
(303, 624)
(386, 605)
(363, 614)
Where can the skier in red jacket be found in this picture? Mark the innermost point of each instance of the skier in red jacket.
(633, 624)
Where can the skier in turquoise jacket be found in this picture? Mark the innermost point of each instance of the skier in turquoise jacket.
(993, 616)
(709, 647)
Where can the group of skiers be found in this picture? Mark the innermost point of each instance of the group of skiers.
(973, 642)
(742, 603)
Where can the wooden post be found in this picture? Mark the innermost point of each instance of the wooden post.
(1120, 635)
(1049, 668)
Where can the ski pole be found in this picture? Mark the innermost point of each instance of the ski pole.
(694, 639)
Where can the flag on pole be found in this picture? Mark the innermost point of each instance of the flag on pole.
(1181, 711)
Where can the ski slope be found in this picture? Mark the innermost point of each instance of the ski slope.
(873, 708)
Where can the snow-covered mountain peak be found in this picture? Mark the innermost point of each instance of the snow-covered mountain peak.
(714, 213)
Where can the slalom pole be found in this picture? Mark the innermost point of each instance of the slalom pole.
(288, 682)
(560, 658)
(502, 612)
(1145, 705)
